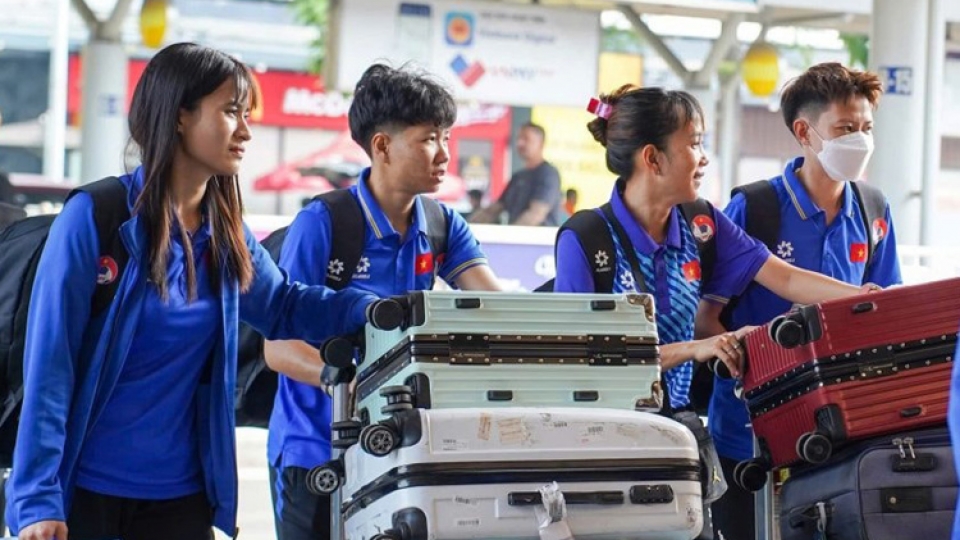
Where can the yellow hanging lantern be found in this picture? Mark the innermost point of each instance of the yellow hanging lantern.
(153, 22)
(761, 69)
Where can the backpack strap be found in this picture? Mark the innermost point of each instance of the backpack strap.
(707, 249)
(348, 233)
(762, 212)
(110, 211)
(629, 251)
(437, 227)
(873, 206)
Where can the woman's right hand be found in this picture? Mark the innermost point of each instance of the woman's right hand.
(44, 530)
(726, 347)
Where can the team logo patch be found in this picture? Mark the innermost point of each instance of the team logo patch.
(108, 271)
(602, 259)
(880, 229)
(335, 267)
(785, 250)
(703, 228)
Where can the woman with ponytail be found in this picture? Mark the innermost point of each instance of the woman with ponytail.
(127, 426)
(654, 144)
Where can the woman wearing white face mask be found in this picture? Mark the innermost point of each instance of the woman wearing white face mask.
(829, 111)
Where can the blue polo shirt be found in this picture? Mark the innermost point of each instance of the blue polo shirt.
(170, 349)
(671, 272)
(808, 242)
(390, 265)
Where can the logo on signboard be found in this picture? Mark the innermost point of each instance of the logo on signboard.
(898, 80)
(459, 29)
(469, 73)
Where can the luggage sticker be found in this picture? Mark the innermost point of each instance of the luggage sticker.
(483, 432)
(512, 431)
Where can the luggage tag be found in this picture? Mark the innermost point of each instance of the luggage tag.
(821, 522)
(552, 516)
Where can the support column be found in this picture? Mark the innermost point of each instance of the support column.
(898, 53)
(54, 126)
(104, 119)
(707, 95)
(936, 52)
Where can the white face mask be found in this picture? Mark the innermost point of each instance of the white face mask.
(845, 158)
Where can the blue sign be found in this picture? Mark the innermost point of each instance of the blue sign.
(897, 80)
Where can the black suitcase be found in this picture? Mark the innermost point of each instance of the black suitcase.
(890, 488)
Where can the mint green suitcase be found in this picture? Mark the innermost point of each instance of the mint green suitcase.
(491, 349)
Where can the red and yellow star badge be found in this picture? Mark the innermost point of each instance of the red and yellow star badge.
(691, 271)
(424, 263)
(858, 252)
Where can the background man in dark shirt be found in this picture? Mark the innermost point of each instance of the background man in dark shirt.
(533, 196)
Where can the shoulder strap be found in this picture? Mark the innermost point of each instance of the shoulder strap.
(110, 211)
(708, 248)
(591, 231)
(873, 206)
(628, 250)
(762, 212)
(348, 232)
(436, 226)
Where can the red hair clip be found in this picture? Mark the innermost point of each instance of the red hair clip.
(600, 108)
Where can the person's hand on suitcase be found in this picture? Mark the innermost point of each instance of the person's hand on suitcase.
(724, 347)
(870, 288)
(44, 530)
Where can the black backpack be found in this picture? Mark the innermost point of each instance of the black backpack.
(21, 244)
(762, 206)
(256, 383)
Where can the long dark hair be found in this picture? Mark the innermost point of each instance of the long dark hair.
(178, 77)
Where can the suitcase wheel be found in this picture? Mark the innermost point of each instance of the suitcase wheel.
(750, 475)
(396, 390)
(399, 398)
(378, 440)
(345, 433)
(325, 479)
(814, 447)
(387, 314)
(788, 333)
(389, 534)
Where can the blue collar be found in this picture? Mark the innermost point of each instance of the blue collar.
(801, 199)
(638, 235)
(374, 215)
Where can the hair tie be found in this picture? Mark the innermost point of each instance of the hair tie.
(600, 108)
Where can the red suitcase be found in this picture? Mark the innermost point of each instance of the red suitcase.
(847, 370)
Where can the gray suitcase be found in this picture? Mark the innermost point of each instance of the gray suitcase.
(893, 488)
(460, 349)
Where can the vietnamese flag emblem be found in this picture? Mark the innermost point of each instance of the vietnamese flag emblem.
(858, 252)
(691, 271)
(424, 263)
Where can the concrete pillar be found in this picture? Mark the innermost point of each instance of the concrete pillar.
(898, 53)
(54, 127)
(936, 52)
(104, 118)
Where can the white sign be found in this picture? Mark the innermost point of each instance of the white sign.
(484, 51)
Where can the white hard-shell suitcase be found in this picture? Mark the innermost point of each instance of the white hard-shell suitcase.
(447, 474)
(470, 349)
